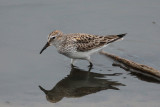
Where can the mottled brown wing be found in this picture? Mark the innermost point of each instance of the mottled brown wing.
(85, 42)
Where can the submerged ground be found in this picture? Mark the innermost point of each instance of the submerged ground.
(24, 28)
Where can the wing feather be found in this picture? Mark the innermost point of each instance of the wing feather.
(86, 42)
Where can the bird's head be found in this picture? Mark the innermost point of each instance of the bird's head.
(51, 38)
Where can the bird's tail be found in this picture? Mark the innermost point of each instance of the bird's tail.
(121, 35)
(113, 38)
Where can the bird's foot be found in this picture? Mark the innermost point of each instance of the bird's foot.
(73, 66)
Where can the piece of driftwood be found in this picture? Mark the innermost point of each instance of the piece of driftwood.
(133, 65)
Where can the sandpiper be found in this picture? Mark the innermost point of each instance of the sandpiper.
(79, 45)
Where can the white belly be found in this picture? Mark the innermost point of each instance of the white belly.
(83, 55)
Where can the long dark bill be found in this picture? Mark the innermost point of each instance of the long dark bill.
(45, 46)
(45, 91)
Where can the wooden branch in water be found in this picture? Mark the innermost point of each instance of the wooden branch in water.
(133, 65)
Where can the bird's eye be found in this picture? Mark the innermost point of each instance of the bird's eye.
(53, 37)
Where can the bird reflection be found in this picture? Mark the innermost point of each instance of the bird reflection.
(80, 83)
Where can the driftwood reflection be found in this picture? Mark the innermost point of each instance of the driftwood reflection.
(145, 77)
(140, 75)
(80, 83)
(143, 69)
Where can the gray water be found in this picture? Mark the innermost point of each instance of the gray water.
(24, 26)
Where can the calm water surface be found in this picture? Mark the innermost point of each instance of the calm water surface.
(24, 26)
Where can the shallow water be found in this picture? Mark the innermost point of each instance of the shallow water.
(24, 26)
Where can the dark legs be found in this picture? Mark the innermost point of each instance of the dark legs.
(88, 59)
(90, 65)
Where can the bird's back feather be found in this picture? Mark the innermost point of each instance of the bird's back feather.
(86, 42)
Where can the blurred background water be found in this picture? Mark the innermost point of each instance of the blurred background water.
(25, 24)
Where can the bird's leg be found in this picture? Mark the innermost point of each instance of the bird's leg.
(72, 61)
(90, 67)
(90, 64)
(88, 59)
